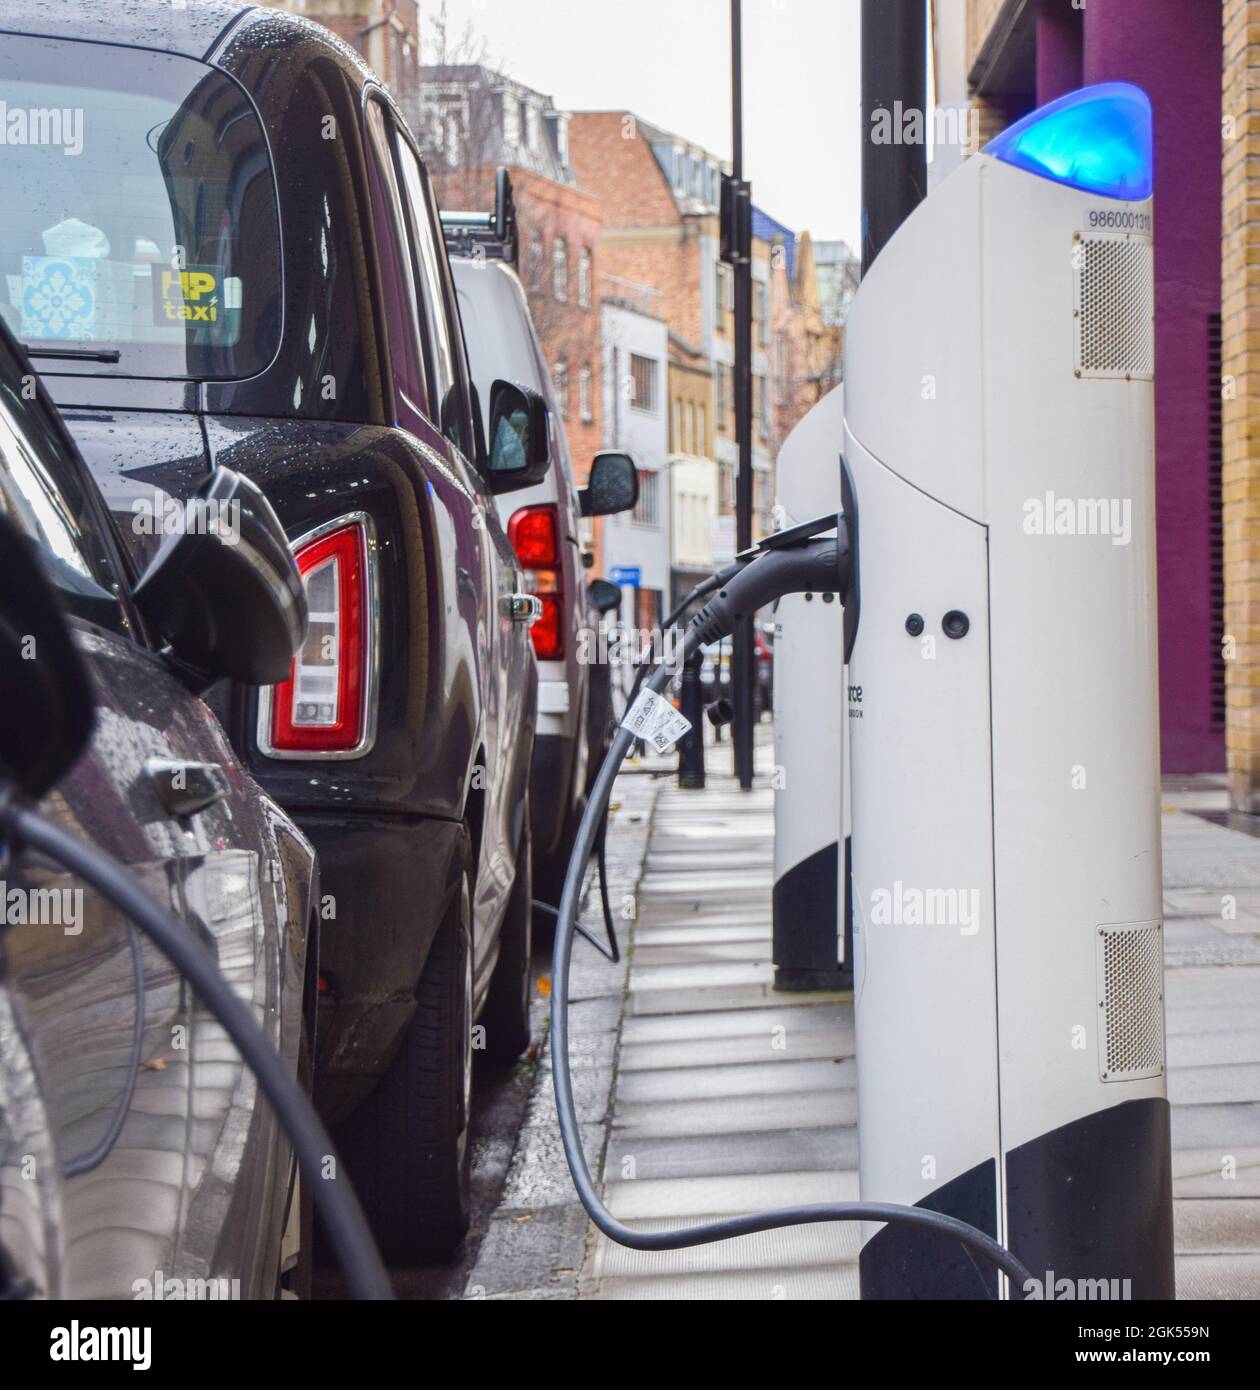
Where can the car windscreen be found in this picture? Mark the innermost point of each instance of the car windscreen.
(138, 227)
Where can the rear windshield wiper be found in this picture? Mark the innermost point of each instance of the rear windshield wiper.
(76, 354)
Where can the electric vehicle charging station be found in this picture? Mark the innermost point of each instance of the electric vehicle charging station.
(1003, 714)
(995, 560)
(812, 943)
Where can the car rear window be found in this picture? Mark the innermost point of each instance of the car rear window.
(138, 226)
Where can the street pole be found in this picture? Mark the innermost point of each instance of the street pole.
(894, 80)
(743, 674)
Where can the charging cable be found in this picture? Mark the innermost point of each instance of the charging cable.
(792, 567)
(334, 1199)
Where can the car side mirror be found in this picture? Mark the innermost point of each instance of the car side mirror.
(605, 596)
(224, 591)
(612, 487)
(45, 690)
(519, 447)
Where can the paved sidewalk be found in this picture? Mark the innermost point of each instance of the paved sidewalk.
(1212, 1009)
(707, 1093)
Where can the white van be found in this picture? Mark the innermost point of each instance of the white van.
(543, 524)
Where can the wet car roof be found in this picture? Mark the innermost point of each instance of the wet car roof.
(192, 29)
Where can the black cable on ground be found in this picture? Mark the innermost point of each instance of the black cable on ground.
(334, 1197)
(773, 574)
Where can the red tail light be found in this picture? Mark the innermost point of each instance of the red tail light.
(535, 536)
(326, 709)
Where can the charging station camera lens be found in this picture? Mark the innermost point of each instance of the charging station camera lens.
(914, 624)
(956, 624)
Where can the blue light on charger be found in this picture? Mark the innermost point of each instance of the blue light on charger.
(1097, 139)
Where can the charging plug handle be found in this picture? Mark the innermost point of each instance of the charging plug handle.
(813, 566)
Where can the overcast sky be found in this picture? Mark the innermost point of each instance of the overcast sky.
(668, 61)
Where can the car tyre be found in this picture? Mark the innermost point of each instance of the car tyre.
(505, 1016)
(407, 1146)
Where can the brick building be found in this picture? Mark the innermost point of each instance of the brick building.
(474, 120)
(804, 347)
(1020, 54)
(660, 195)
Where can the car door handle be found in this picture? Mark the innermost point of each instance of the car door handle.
(521, 608)
(184, 788)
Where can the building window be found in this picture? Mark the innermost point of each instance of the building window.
(702, 439)
(560, 269)
(584, 278)
(647, 511)
(584, 394)
(678, 439)
(761, 399)
(692, 445)
(511, 119)
(561, 382)
(643, 379)
(726, 479)
(720, 403)
(780, 366)
(761, 311)
(720, 301)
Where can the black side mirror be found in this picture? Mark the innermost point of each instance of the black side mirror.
(519, 447)
(45, 690)
(224, 592)
(612, 487)
(605, 596)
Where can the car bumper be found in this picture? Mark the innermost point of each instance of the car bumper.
(386, 884)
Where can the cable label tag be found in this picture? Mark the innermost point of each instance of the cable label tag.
(653, 719)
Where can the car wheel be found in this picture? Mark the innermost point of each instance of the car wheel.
(505, 1016)
(407, 1146)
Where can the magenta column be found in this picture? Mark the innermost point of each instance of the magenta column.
(1172, 49)
(1060, 31)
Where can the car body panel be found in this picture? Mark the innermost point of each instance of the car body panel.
(502, 342)
(157, 1161)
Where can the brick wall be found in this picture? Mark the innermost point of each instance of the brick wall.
(568, 329)
(1240, 368)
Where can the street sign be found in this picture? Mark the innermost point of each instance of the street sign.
(628, 576)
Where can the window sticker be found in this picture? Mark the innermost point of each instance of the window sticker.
(188, 296)
(58, 297)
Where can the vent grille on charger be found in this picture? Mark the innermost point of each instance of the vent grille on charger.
(1131, 1001)
(1115, 307)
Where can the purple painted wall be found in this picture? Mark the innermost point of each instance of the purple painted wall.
(1172, 49)
(1059, 36)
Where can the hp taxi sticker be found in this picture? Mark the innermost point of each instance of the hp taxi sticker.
(653, 719)
(187, 296)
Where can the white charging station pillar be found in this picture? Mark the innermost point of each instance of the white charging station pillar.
(1003, 717)
(812, 949)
